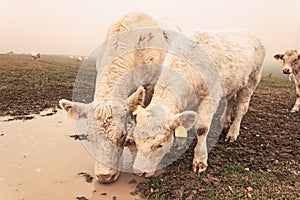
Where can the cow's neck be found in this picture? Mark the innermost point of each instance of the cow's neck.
(113, 84)
(296, 72)
(166, 99)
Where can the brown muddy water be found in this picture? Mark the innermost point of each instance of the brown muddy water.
(40, 161)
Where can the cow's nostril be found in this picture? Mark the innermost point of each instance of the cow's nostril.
(286, 71)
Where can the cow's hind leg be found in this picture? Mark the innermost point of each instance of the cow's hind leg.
(242, 104)
(229, 112)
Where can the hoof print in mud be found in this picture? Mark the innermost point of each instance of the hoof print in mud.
(79, 137)
(81, 198)
(132, 182)
(88, 177)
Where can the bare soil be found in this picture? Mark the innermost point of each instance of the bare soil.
(262, 164)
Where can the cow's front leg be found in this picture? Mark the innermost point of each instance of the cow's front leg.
(297, 104)
(200, 151)
(205, 111)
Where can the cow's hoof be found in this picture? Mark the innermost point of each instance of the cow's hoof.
(106, 178)
(199, 166)
(294, 110)
(138, 172)
(231, 137)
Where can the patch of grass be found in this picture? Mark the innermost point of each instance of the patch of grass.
(277, 83)
(158, 196)
(238, 183)
(158, 183)
(28, 86)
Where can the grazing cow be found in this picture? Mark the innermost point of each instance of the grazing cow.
(291, 65)
(35, 56)
(237, 56)
(131, 56)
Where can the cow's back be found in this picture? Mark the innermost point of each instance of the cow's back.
(238, 56)
(217, 64)
(134, 41)
(130, 22)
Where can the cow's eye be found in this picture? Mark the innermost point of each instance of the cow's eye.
(155, 147)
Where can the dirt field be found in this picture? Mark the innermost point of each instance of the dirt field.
(264, 163)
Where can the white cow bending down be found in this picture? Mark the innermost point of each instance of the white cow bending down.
(131, 56)
(291, 65)
(238, 57)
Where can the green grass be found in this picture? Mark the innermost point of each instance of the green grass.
(277, 82)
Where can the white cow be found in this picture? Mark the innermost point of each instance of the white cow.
(35, 55)
(10, 53)
(190, 81)
(78, 58)
(291, 65)
(131, 56)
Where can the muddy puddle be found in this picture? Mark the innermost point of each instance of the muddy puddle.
(40, 161)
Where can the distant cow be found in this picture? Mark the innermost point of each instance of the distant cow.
(291, 65)
(35, 56)
(10, 53)
(79, 59)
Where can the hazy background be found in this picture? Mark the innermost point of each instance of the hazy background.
(76, 27)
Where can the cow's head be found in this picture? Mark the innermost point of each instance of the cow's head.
(106, 124)
(154, 134)
(290, 61)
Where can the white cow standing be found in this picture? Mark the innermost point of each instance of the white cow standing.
(238, 56)
(131, 56)
(291, 65)
(35, 56)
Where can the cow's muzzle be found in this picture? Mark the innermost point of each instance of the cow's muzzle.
(286, 71)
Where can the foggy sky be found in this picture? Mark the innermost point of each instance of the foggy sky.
(78, 27)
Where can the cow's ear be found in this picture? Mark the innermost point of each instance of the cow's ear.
(75, 110)
(298, 56)
(278, 56)
(136, 100)
(186, 119)
(181, 123)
